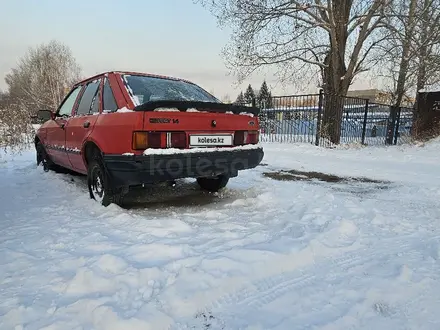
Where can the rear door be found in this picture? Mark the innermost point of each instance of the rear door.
(82, 123)
(56, 130)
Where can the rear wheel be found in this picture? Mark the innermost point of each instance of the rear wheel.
(213, 184)
(99, 184)
(43, 158)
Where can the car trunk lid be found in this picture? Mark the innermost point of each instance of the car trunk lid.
(190, 124)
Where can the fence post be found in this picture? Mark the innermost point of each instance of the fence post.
(396, 133)
(318, 121)
(391, 125)
(364, 125)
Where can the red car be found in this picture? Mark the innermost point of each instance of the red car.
(125, 129)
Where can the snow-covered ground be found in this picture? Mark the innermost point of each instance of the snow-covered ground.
(263, 254)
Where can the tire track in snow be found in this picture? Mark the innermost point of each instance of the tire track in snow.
(261, 292)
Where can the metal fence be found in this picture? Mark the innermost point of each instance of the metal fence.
(299, 118)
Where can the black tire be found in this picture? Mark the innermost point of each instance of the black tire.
(43, 158)
(213, 184)
(99, 184)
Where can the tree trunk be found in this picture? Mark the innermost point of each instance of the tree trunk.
(336, 82)
(334, 92)
(403, 73)
(423, 51)
(406, 50)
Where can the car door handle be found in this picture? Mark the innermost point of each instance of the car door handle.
(86, 124)
(62, 125)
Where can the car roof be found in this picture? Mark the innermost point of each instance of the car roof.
(131, 73)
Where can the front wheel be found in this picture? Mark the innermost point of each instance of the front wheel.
(213, 184)
(99, 185)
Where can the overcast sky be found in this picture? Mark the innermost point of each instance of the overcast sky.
(171, 37)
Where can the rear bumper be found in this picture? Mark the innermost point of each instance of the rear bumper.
(152, 168)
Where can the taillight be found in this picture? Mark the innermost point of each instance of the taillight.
(154, 140)
(140, 140)
(176, 140)
(157, 140)
(239, 138)
(252, 137)
(246, 137)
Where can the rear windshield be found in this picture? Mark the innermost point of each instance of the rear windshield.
(147, 89)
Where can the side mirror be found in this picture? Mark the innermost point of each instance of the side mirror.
(45, 115)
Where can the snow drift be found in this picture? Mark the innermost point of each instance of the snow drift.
(263, 254)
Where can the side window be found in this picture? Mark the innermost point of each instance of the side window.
(85, 105)
(96, 102)
(66, 108)
(109, 102)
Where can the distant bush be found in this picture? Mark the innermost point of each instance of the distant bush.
(16, 130)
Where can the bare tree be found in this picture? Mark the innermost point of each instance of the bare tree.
(42, 77)
(39, 81)
(333, 38)
(428, 42)
(410, 56)
(402, 26)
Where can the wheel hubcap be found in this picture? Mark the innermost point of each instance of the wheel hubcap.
(45, 165)
(97, 187)
(41, 159)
